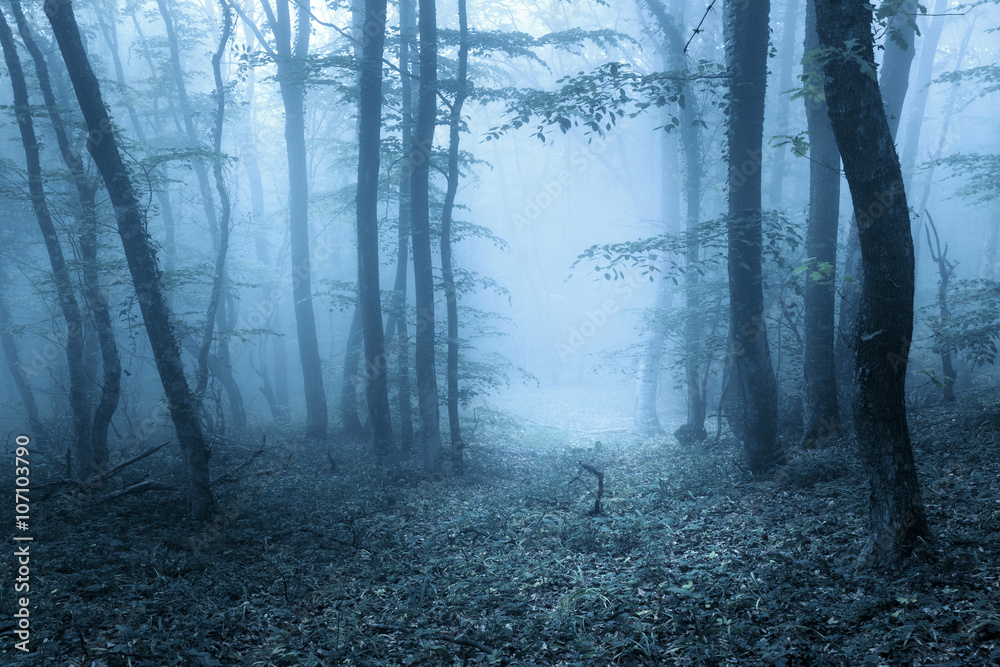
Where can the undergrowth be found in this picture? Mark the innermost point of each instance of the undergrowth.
(692, 562)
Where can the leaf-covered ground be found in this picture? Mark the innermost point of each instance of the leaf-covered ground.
(691, 563)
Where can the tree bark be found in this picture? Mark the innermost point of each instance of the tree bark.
(885, 313)
(82, 445)
(753, 374)
(16, 369)
(139, 254)
(822, 411)
(369, 293)
(893, 81)
(418, 162)
(447, 269)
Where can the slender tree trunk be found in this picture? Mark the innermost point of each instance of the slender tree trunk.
(822, 418)
(775, 191)
(291, 67)
(139, 254)
(369, 293)
(447, 268)
(753, 374)
(96, 302)
(945, 269)
(418, 162)
(691, 143)
(349, 383)
(217, 317)
(925, 73)
(397, 316)
(79, 404)
(885, 312)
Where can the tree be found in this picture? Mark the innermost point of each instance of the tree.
(417, 162)
(82, 444)
(751, 373)
(369, 295)
(97, 304)
(885, 310)
(290, 59)
(447, 269)
(139, 254)
(822, 411)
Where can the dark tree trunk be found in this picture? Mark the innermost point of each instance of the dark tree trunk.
(139, 254)
(369, 293)
(78, 393)
(753, 375)
(418, 162)
(822, 412)
(893, 81)
(96, 302)
(349, 383)
(291, 65)
(447, 268)
(885, 312)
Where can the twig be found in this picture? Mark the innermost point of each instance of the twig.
(101, 477)
(139, 487)
(226, 477)
(698, 29)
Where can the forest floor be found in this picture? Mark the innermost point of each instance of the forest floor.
(691, 562)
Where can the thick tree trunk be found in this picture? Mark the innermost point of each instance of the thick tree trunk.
(140, 255)
(97, 304)
(885, 313)
(369, 294)
(78, 392)
(753, 375)
(418, 162)
(893, 81)
(822, 412)
(447, 269)
(349, 417)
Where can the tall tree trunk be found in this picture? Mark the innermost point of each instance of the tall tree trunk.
(893, 81)
(369, 293)
(291, 65)
(775, 191)
(925, 73)
(96, 302)
(753, 374)
(418, 162)
(397, 316)
(447, 268)
(691, 142)
(82, 445)
(885, 312)
(822, 412)
(139, 254)
(349, 384)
